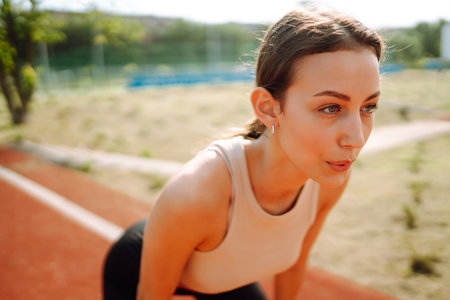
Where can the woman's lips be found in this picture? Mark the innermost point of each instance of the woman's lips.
(340, 166)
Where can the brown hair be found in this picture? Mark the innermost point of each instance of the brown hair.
(301, 33)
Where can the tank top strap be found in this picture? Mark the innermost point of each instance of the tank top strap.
(231, 152)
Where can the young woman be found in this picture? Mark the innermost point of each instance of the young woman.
(252, 206)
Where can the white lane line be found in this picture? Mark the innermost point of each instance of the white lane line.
(80, 215)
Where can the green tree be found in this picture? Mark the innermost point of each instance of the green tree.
(20, 30)
(113, 30)
(95, 39)
(430, 36)
(412, 45)
(183, 41)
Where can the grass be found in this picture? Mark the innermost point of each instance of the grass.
(423, 265)
(365, 237)
(410, 217)
(156, 182)
(174, 123)
(418, 89)
(414, 94)
(146, 153)
(418, 188)
(84, 168)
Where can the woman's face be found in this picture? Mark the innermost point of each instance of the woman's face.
(328, 113)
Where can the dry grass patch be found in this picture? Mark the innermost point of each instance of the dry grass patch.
(170, 123)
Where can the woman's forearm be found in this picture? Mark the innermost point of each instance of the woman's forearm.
(289, 283)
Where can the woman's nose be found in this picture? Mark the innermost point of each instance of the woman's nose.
(353, 133)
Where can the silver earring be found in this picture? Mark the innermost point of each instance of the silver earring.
(273, 128)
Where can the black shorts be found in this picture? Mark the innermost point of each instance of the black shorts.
(121, 272)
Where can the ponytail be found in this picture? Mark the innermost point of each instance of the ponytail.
(253, 130)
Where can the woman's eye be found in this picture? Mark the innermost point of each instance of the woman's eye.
(370, 108)
(331, 109)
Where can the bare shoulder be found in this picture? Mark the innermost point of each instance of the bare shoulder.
(199, 191)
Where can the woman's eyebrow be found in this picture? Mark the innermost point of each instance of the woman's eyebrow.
(374, 95)
(333, 94)
(343, 96)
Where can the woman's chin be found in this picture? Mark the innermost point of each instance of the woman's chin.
(334, 181)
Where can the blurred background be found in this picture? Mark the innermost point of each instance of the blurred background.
(85, 44)
(162, 79)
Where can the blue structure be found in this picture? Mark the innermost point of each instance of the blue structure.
(436, 64)
(189, 79)
(389, 68)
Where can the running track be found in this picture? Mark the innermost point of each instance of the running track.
(56, 226)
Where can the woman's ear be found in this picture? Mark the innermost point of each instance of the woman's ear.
(266, 108)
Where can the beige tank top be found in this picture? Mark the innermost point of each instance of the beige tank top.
(257, 244)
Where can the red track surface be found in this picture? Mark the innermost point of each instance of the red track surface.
(44, 255)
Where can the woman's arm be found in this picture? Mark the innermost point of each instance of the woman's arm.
(288, 283)
(182, 218)
(171, 234)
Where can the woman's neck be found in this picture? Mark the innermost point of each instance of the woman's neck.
(275, 181)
